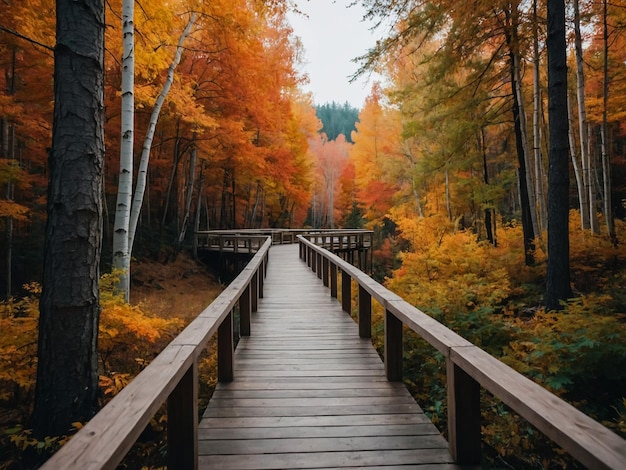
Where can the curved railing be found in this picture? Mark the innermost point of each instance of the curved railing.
(173, 377)
(468, 369)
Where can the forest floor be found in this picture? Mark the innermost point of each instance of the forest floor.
(181, 288)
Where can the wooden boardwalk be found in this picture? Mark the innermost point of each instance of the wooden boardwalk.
(309, 393)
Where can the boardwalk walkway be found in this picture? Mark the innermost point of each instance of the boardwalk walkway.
(309, 393)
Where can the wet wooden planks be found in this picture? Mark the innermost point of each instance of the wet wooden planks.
(309, 393)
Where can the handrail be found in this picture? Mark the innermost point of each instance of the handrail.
(468, 369)
(173, 376)
(279, 235)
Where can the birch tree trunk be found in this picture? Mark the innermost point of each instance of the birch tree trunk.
(121, 248)
(580, 184)
(604, 131)
(147, 144)
(585, 209)
(539, 172)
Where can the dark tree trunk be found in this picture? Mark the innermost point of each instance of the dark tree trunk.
(558, 286)
(527, 223)
(67, 374)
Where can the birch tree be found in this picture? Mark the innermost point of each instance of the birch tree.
(127, 214)
(121, 246)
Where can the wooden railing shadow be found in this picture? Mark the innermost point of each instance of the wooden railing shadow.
(171, 377)
(468, 369)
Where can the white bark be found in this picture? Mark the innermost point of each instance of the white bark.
(145, 152)
(539, 172)
(580, 184)
(582, 121)
(121, 248)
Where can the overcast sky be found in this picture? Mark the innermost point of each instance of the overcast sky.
(333, 35)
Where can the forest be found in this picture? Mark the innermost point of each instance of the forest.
(482, 217)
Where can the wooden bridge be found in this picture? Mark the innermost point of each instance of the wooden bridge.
(305, 388)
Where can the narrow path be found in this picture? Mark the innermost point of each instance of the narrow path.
(309, 393)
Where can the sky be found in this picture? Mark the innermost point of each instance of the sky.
(333, 35)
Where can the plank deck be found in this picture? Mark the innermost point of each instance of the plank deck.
(309, 393)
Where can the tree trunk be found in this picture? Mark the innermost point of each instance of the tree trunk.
(147, 143)
(121, 251)
(604, 132)
(539, 171)
(527, 225)
(558, 286)
(193, 157)
(170, 184)
(580, 184)
(67, 372)
(196, 223)
(590, 184)
(488, 220)
(585, 159)
(521, 113)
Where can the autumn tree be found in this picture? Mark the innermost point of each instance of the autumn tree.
(67, 373)
(558, 286)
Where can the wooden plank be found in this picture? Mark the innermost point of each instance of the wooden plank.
(319, 421)
(325, 459)
(215, 433)
(320, 444)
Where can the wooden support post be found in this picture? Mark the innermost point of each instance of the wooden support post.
(313, 260)
(365, 313)
(226, 350)
(182, 422)
(245, 310)
(393, 347)
(325, 271)
(346, 292)
(261, 277)
(308, 256)
(254, 284)
(318, 263)
(464, 436)
(333, 280)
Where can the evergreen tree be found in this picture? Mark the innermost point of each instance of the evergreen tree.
(337, 119)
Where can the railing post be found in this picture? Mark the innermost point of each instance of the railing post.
(325, 271)
(318, 264)
(333, 280)
(313, 260)
(365, 313)
(225, 350)
(308, 257)
(245, 310)
(346, 294)
(261, 278)
(182, 422)
(464, 436)
(393, 347)
(254, 300)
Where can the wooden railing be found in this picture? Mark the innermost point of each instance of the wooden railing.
(468, 369)
(173, 377)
